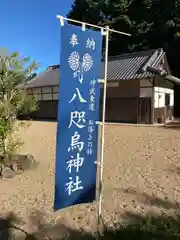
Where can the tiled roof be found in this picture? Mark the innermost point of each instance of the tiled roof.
(47, 78)
(122, 67)
(130, 66)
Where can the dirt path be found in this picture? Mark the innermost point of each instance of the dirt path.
(140, 162)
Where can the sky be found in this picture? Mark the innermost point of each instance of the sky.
(31, 28)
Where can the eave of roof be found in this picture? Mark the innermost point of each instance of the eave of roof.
(123, 67)
(45, 79)
(172, 79)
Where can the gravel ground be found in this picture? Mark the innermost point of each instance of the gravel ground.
(140, 162)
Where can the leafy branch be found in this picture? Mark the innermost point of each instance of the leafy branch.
(14, 100)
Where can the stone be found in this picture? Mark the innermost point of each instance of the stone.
(15, 167)
(28, 162)
(16, 164)
(125, 206)
(22, 162)
(17, 158)
(7, 172)
(6, 160)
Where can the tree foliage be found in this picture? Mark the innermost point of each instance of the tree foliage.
(152, 23)
(14, 100)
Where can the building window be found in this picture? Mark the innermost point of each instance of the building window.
(55, 89)
(47, 89)
(55, 96)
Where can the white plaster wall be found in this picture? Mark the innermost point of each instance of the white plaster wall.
(145, 92)
(159, 96)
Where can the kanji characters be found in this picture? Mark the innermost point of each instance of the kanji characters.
(73, 186)
(74, 40)
(92, 91)
(92, 98)
(93, 82)
(81, 99)
(77, 118)
(92, 95)
(80, 63)
(92, 106)
(75, 163)
(90, 131)
(90, 43)
(76, 143)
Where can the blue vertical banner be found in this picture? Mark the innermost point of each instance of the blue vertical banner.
(78, 113)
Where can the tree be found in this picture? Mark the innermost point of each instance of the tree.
(14, 100)
(152, 23)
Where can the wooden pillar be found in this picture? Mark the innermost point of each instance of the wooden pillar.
(152, 101)
(137, 102)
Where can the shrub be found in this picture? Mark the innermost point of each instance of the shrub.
(14, 100)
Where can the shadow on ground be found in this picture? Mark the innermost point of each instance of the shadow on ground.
(153, 200)
(135, 226)
(26, 118)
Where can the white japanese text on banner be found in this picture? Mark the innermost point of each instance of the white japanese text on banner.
(78, 111)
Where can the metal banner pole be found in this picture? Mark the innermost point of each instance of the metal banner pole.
(105, 31)
(99, 207)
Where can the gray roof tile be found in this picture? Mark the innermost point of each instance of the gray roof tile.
(47, 78)
(122, 67)
(128, 66)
